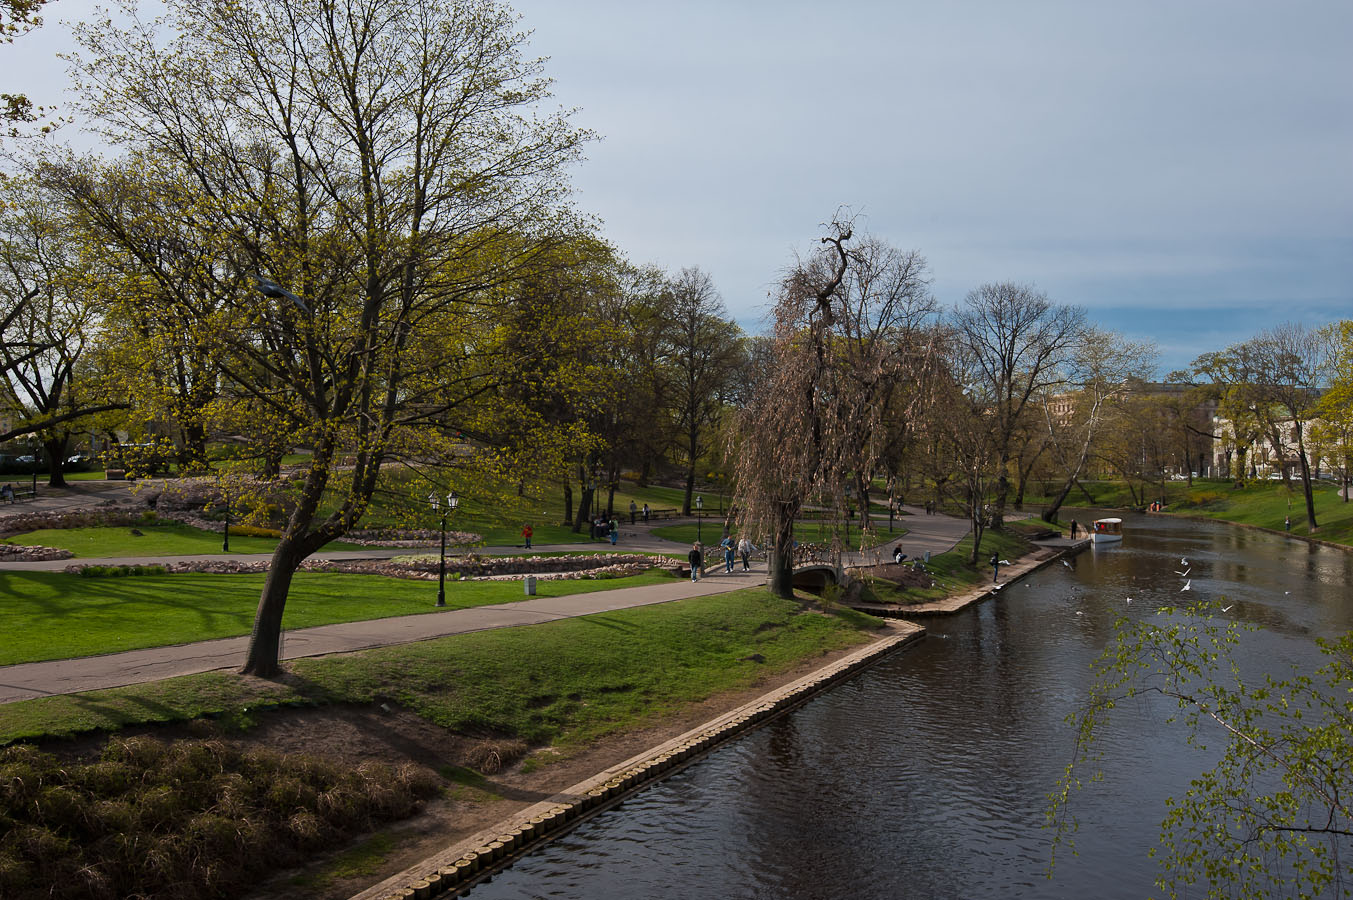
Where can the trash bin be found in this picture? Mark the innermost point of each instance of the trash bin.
(530, 585)
(927, 556)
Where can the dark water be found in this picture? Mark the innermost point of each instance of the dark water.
(927, 776)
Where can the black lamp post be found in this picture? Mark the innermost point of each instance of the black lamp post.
(452, 501)
(33, 445)
(699, 519)
(225, 504)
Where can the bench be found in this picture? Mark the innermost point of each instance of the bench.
(660, 514)
(24, 494)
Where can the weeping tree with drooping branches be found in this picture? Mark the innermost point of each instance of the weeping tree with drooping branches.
(847, 340)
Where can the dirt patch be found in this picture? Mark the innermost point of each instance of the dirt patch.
(903, 575)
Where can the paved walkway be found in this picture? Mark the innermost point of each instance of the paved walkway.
(934, 533)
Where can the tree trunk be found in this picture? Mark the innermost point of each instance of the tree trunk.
(584, 512)
(56, 462)
(690, 490)
(1050, 514)
(264, 659)
(568, 503)
(1306, 484)
(782, 555)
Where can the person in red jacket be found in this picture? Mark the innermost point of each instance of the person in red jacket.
(526, 532)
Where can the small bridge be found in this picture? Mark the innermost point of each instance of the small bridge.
(814, 577)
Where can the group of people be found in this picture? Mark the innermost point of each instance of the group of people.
(634, 511)
(732, 549)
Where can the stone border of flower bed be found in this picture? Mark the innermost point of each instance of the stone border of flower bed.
(474, 568)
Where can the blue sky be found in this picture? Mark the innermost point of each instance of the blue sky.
(1182, 169)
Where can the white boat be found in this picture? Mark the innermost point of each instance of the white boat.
(1106, 530)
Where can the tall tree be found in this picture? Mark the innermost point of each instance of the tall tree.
(1295, 364)
(387, 164)
(1100, 368)
(1017, 340)
(17, 17)
(703, 355)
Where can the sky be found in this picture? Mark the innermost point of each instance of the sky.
(1182, 169)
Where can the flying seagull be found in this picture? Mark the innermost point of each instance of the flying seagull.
(1185, 573)
(1129, 601)
(1067, 564)
(1005, 562)
(1183, 562)
(1188, 585)
(1227, 608)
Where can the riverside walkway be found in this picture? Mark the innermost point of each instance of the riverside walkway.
(933, 533)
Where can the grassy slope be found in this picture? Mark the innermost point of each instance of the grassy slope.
(952, 571)
(50, 615)
(1267, 503)
(566, 682)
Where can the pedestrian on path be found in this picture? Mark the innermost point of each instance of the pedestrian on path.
(615, 531)
(697, 561)
(1287, 523)
(645, 513)
(1074, 525)
(727, 545)
(745, 548)
(633, 510)
(995, 567)
(526, 532)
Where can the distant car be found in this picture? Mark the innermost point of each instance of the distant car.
(26, 460)
(1275, 476)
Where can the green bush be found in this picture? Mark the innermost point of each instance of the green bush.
(255, 531)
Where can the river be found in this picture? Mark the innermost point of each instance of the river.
(927, 775)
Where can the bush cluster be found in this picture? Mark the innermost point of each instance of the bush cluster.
(191, 819)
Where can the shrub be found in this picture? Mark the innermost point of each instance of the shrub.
(255, 531)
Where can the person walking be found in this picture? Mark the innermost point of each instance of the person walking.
(645, 513)
(745, 548)
(727, 545)
(697, 561)
(615, 531)
(1287, 523)
(633, 510)
(526, 532)
(1074, 526)
(995, 568)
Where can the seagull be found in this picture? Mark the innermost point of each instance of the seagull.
(997, 587)
(1227, 608)
(1285, 593)
(1067, 564)
(1129, 601)
(1005, 562)
(1183, 562)
(1185, 573)
(1188, 585)
(1079, 613)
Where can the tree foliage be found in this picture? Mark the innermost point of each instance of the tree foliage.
(1274, 816)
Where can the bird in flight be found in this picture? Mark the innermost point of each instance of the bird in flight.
(1129, 601)
(1067, 564)
(1185, 573)
(1183, 562)
(1227, 608)
(1188, 585)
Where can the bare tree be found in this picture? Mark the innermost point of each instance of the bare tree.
(1017, 341)
(1296, 364)
(703, 356)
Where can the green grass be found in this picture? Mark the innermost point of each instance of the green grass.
(51, 615)
(952, 571)
(1267, 503)
(804, 532)
(564, 683)
(154, 540)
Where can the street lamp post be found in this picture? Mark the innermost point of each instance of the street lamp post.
(225, 503)
(699, 517)
(452, 501)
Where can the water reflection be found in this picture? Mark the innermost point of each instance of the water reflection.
(927, 775)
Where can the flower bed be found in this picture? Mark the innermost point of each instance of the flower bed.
(492, 568)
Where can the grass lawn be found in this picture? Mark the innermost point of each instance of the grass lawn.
(564, 683)
(52, 615)
(154, 540)
(952, 571)
(804, 532)
(1267, 503)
